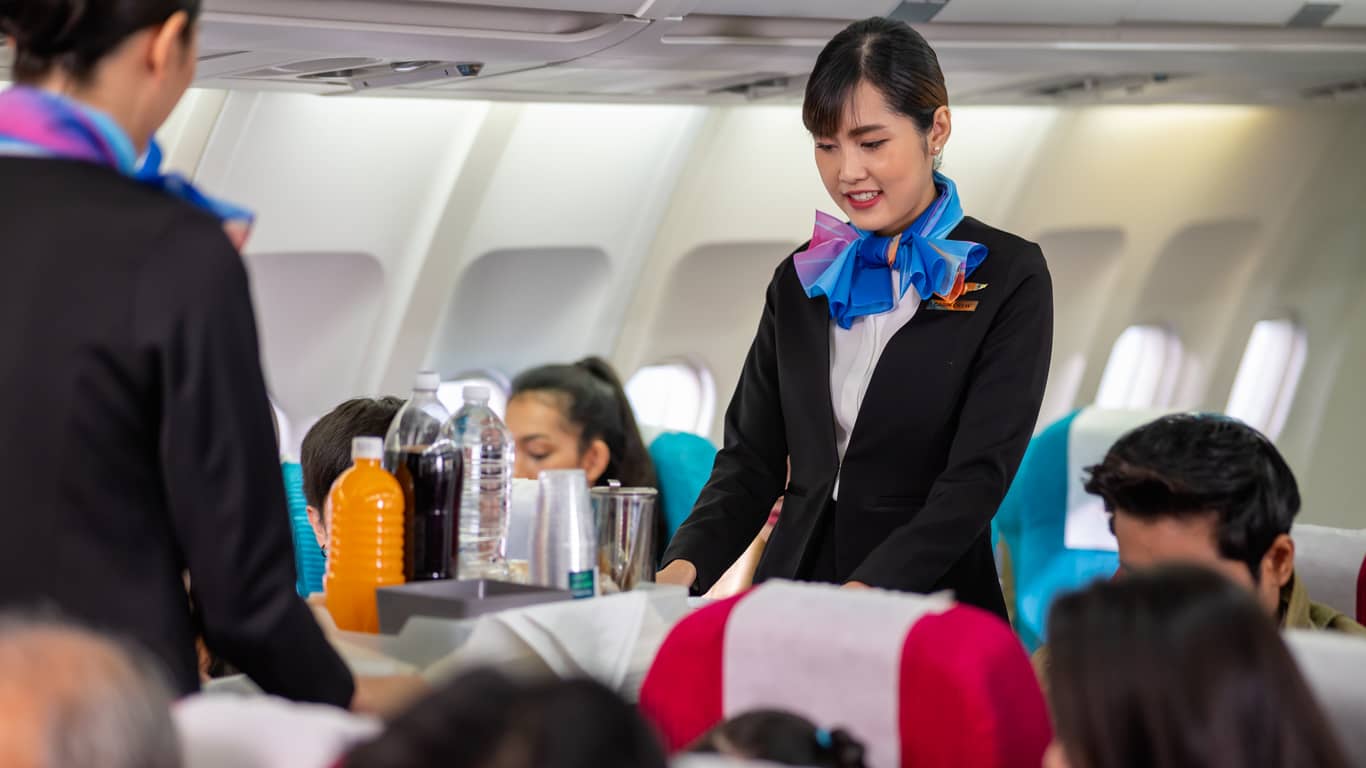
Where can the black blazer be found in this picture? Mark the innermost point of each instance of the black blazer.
(943, 426)
(137, 440)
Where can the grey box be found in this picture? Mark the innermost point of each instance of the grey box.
(452, 599)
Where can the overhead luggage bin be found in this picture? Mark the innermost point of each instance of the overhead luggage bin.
(345, 45)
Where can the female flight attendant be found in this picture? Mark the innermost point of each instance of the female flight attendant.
(900, 360)
(137, 440)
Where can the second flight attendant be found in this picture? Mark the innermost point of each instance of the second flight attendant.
(900, 359)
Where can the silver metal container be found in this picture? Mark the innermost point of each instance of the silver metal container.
(626, 534)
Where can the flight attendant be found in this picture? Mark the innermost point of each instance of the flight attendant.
(135, 422)
(900, 359)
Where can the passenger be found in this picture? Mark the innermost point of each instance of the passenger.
(72, 699)
(1213, 491)
(577, 417)
(485, 720)
(138, 419)
(900, 360)
(781, 738)
(326, 451)
(1178, 668)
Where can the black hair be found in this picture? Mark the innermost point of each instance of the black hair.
(590, 397)
(1193, 465)
(1179, 667)
(75, 35)
(483, 719)
(784, 738)
(890, 56)
(326, 450)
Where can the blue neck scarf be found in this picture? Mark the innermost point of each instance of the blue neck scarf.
(849, 266)
(36, 123)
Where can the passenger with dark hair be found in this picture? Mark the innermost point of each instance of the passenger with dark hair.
(147, 448)
(577, 417)
(1210, 490)
(485, 720)
(326, 451)
(782, 738)
(1178, 668)
(900, 360)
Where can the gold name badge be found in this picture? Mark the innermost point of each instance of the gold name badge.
(957, 306)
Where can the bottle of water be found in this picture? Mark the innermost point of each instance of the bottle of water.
(428, 469)
(486, 450)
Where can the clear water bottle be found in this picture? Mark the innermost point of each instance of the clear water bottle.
(427, 468)
(486, 451)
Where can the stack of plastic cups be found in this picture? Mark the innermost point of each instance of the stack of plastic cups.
(365, 540)
(309, 561)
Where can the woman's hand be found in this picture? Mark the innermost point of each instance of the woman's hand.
(856, 585)
(679, 572)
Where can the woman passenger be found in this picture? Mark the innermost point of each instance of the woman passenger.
(1178, 668)
(900, 360)
(577, 417)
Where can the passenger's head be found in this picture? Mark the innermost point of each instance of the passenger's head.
(326, 451)
(72, 699)
(782, 738)
(485, 720)
(1203, 489)
(131, 58)
(878, 109)
(577, 417)
(1177, 668)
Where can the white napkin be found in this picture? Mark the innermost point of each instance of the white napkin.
(611, 639)
(227, 731)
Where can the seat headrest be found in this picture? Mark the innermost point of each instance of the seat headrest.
(920, 680)
(1334, 665)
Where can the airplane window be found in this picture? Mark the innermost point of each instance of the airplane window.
(1268, 375)
(1142, 370)
(451, 391)
(676, 396)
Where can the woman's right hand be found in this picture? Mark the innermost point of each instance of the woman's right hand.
(679, 572)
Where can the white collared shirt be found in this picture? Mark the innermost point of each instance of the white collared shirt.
(854, 354)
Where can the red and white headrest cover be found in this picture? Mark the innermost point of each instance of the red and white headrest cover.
(919, 679)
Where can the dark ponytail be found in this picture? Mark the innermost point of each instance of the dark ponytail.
(594, 402)
(783, 738)
(75, 35)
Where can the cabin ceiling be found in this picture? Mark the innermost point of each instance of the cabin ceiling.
(755, 51)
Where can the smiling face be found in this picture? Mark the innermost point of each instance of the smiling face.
(879, 167)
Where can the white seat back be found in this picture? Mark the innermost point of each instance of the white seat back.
(1328, 560)
(1335, 667)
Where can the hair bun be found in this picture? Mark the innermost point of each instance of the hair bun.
(846, 750)
(44, 27)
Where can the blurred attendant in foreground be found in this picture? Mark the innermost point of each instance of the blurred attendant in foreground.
(143, 448)
(1178, 668)
(72, 699)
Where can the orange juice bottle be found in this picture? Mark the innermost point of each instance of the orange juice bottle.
(365, 541)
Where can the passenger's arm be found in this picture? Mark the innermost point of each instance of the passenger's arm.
(220, 467)
(749, 472)
(994, 427)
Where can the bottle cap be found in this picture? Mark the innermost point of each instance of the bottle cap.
(426, 381)
(367, 448)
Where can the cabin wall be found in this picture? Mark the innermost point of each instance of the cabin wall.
(506, 235)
